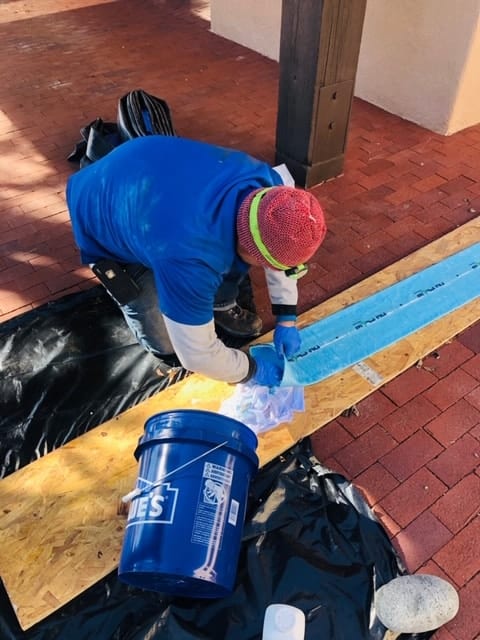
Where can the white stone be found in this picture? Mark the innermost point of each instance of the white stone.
(415, 604)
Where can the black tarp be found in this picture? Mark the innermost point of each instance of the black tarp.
(310, 539)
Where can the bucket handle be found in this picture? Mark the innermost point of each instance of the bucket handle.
(138, 492)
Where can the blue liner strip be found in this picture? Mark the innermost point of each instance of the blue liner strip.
(372, 324)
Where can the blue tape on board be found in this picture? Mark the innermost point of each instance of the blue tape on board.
(374, 323)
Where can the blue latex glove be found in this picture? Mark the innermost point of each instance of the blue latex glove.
(267, 373)
(287, 340)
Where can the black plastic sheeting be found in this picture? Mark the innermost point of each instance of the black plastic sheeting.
(310, 539)
(67, 367)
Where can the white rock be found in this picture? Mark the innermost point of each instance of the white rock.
(417, 603)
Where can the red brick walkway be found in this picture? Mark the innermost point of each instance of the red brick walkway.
(414, 448)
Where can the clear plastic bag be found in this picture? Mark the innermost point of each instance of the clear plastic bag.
(262, 408)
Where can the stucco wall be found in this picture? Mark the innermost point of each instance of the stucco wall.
(466, 111)
(413, 60)
(419, 59)
(253, 23)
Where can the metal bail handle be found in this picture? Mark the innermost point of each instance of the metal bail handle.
(138, 492)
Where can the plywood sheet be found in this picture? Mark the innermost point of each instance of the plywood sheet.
(59, 528)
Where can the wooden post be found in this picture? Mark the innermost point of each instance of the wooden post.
(319, 48)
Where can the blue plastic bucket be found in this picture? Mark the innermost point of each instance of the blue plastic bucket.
(185, 524)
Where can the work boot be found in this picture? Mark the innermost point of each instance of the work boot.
(168, 366)
(238, 322)
(166, 371)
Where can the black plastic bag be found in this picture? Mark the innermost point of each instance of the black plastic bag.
(98, 139)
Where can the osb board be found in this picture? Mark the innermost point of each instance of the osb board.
(60, 532)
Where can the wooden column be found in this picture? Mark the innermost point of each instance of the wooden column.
(319, 47)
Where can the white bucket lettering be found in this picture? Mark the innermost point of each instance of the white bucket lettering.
(156, 507)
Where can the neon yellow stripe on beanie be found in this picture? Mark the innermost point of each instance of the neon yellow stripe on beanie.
(255, 231)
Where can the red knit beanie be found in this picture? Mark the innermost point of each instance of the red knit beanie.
(290, 222)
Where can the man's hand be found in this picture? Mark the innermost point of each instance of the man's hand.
(286, 339)
(267, 374)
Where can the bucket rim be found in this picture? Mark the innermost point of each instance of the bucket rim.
(249, 433)
(205, 412)
(241, 438)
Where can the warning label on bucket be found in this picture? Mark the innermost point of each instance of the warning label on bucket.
(212, 504)
(217, 473)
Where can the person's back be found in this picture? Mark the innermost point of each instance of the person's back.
(160, 197)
